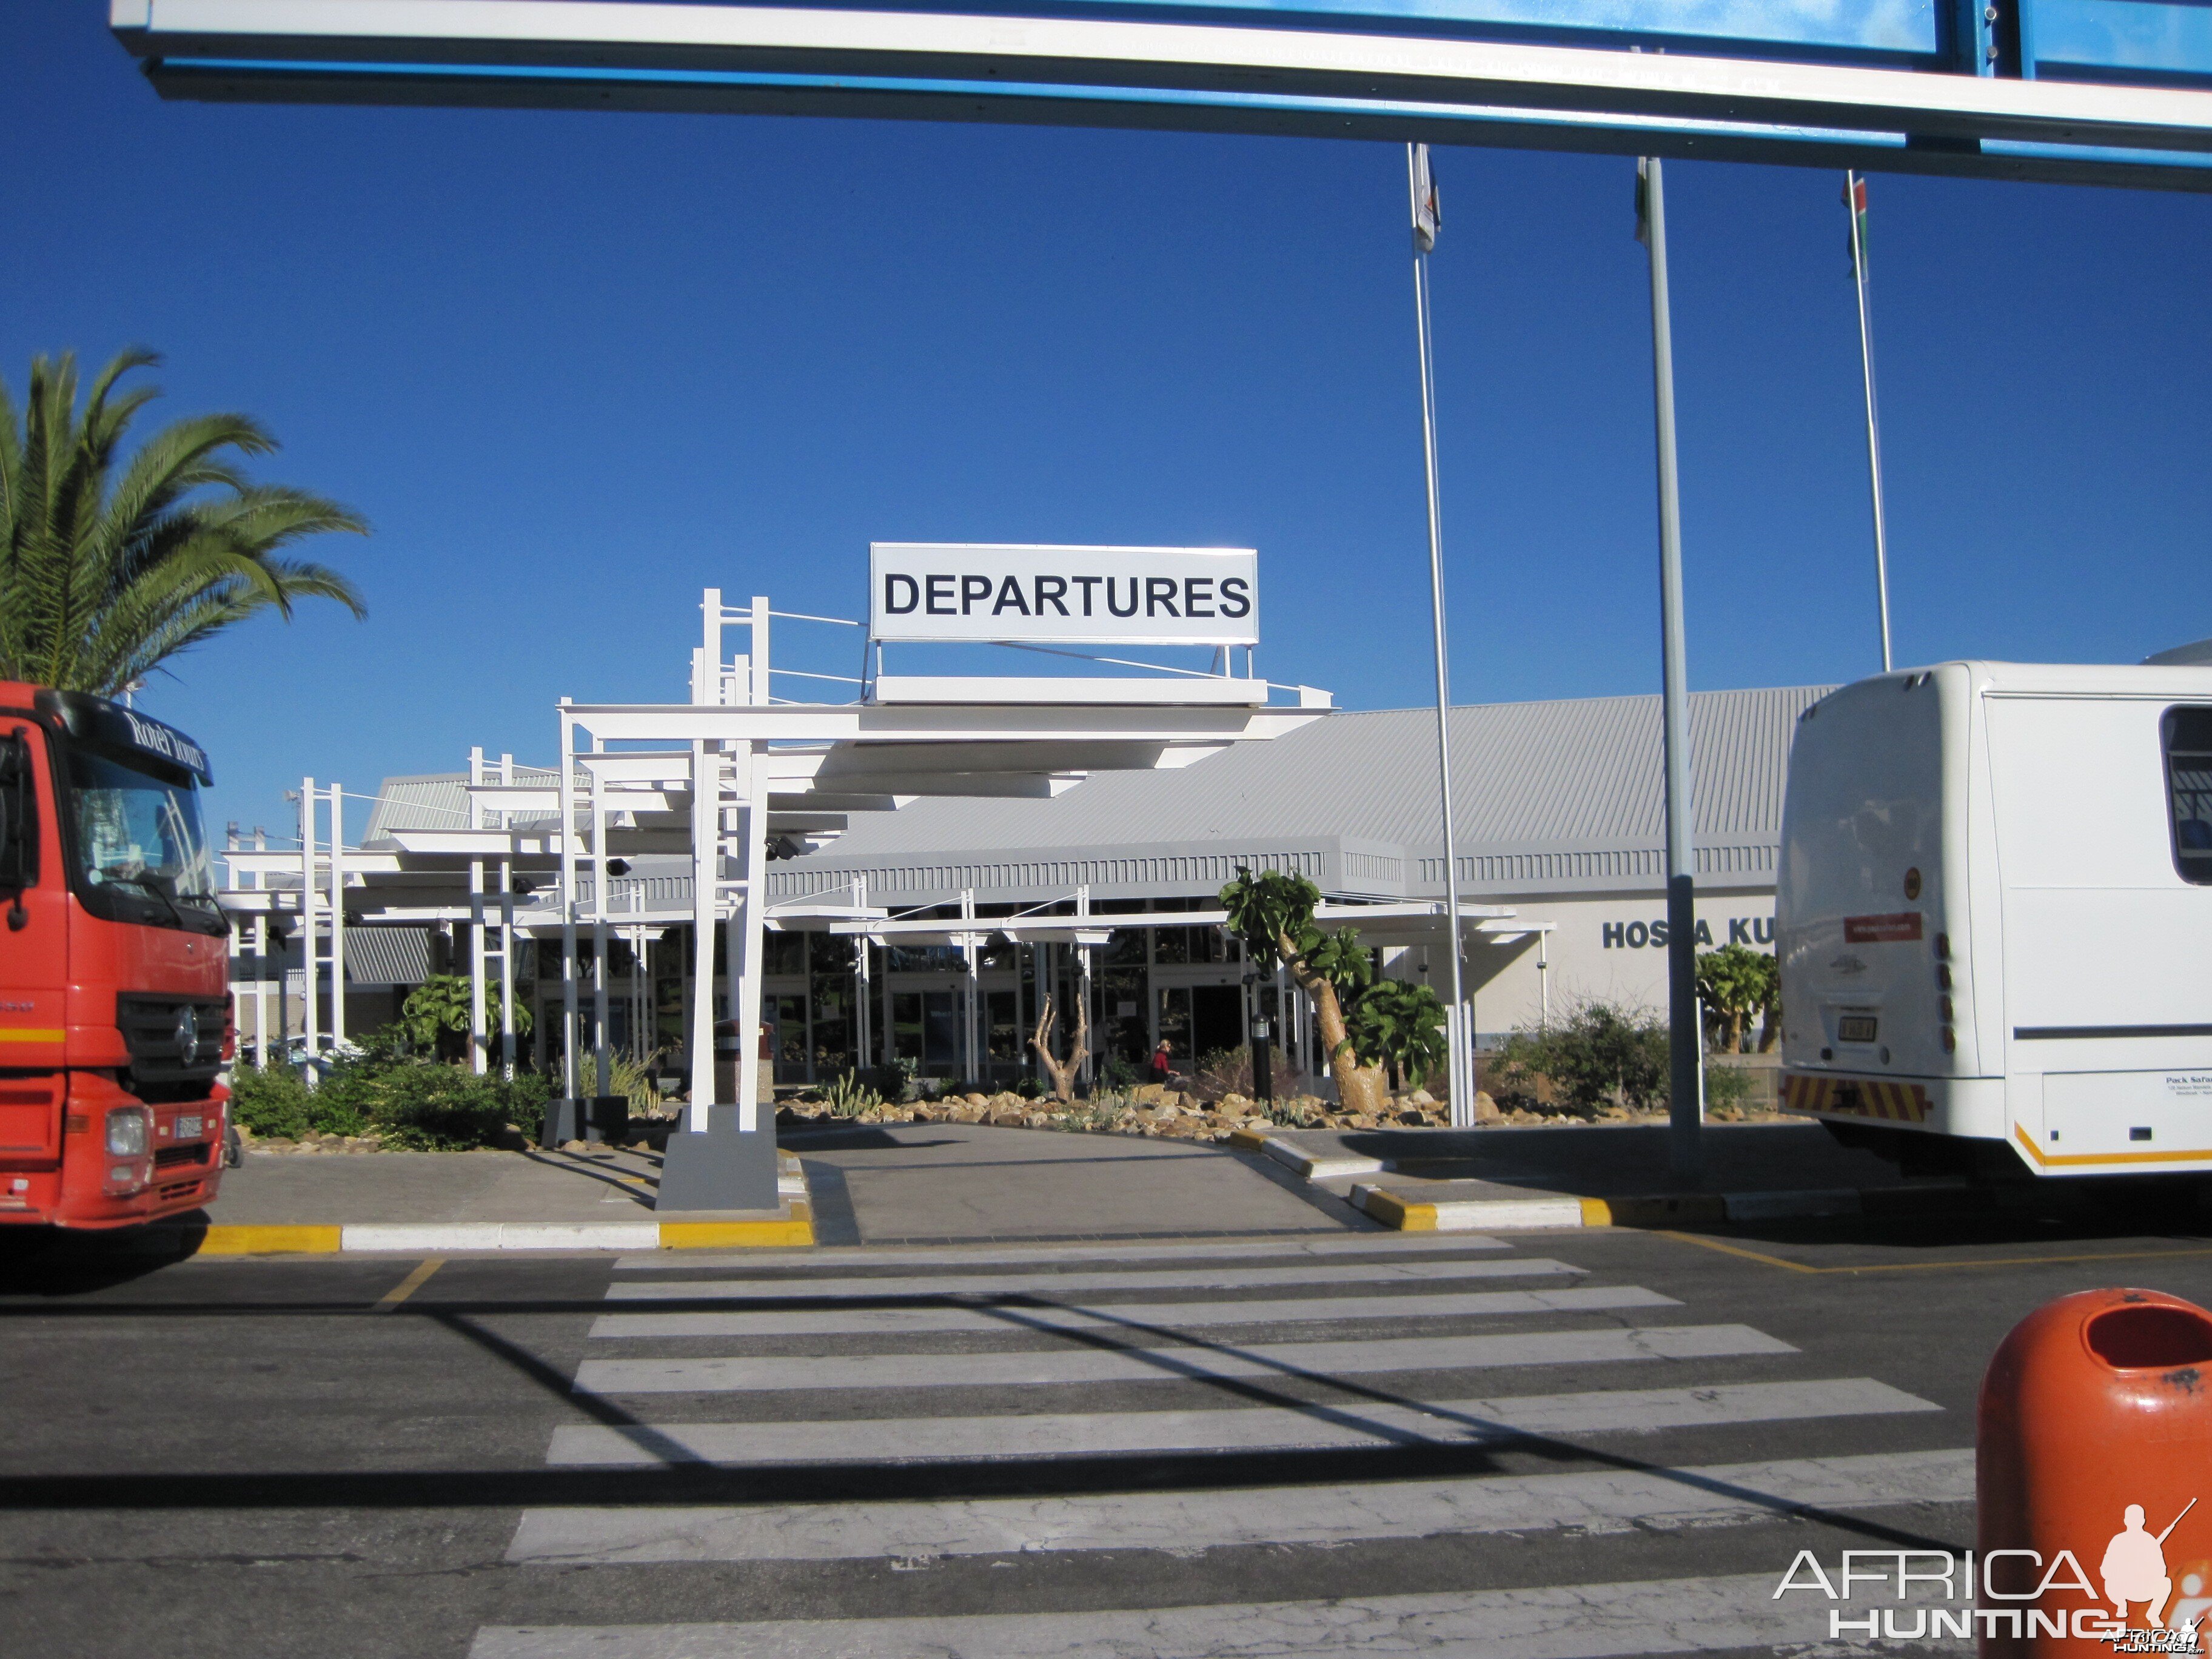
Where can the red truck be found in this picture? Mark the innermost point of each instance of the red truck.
(114, 967)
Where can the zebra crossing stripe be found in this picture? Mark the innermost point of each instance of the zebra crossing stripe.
(1161, 1315)
(1157, 1279)
(1057, 1367)
(1557, 1621)
(1601, 1500)
(966, 1256)
(1359, 1425)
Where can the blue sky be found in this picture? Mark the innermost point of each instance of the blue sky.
(574, 368)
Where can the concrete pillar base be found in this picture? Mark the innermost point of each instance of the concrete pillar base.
(723, 1169)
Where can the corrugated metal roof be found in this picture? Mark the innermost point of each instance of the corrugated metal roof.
(432, 800)
(387, 956)
(1529, 776)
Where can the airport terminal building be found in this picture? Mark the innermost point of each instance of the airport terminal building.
(1559, 823)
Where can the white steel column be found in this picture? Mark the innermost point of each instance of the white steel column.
(746, 988)
(602, 1082)
(338, 915)
(479, 1061)
(706, 867)
(310, 1013)
(261, 958)
(507, 966)
(863, 989)
(757, 682)
(572, 1063)
(970, 989)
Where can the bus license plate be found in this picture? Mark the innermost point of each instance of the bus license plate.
(188, 1128)
(1854, 1027)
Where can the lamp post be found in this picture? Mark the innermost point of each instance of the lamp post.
(1458, 1039)
(1685, 1091)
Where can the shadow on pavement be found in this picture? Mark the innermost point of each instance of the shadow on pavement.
(55, 1261)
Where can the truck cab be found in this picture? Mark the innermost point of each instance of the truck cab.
(1994, 918)
(114, 1009)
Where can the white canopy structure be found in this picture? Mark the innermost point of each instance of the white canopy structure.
(716, 780)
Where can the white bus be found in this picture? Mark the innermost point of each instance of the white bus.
(1994, 918)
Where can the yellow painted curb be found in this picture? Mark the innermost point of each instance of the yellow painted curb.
(1393, 1212)
(1596, 1213)
(1245, 1140)
(270, 1241)
(720, 1235)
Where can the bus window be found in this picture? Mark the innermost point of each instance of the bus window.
(2188, 734)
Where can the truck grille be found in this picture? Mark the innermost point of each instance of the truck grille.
(168, 1157)
(149, 1024)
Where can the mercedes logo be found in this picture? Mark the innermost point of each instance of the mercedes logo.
(188, 1034)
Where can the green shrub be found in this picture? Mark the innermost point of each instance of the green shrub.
(273, 1103)
(412, 1105)
(1727, 1085)
(1597, 1056)
(893, 1079)
(1028, 1088)
(426, 1107)
(849, 1097)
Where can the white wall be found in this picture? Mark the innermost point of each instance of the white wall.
(1611, 949)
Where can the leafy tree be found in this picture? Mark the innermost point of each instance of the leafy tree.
(108, 568)
(1769, 1004)
(1732, 984)
(1273, 913)
(1400, 1023)
(436, 1015)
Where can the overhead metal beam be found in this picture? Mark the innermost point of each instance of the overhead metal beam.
(1121, 71)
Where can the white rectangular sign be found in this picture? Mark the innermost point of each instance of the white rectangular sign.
(965, 591)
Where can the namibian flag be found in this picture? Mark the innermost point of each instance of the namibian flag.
(1855, 199)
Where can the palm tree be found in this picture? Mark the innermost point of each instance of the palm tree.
(107, 567)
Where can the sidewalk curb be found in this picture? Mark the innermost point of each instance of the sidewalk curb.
(794, 1227)
(1409, 1214)
(1312, 1168)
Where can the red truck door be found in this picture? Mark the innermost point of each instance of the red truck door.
(33, 950)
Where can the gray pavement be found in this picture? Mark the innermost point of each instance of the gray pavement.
(947, 1182)
(359, 1457)
(1605, 1160)
(339, 1190)
(937, 1182)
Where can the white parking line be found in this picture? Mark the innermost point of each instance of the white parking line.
(1601, 1500)
(1158, 1278)
(972, 1256)
(1352, 1424)
(1560, 1621)
(1060, 1366)
(1159, 1316)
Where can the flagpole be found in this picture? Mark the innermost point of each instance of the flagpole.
(1852, 186)
(1459, 1041)
(1685, 1078)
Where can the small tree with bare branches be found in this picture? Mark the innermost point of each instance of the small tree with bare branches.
(1064, 1072)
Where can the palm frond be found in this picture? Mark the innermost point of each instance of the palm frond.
(109, 567)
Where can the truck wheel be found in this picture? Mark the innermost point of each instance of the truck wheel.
(233, 1149)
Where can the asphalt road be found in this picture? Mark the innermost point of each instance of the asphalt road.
(1587, 1442)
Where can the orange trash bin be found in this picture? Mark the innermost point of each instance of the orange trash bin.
(2092, 1444)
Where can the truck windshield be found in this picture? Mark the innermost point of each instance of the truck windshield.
(138, 826)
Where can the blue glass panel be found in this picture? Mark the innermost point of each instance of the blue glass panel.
(2130, 36)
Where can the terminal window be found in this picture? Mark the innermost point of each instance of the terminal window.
(2188, 734)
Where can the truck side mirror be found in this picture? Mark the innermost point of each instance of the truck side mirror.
(19, 824)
